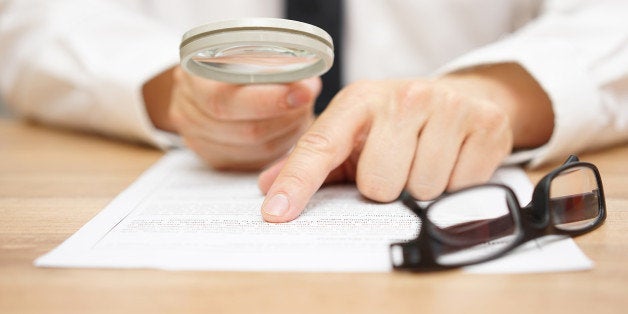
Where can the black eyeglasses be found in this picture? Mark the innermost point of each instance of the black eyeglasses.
(484, 222)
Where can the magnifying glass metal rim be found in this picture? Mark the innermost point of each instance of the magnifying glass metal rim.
(262, 32)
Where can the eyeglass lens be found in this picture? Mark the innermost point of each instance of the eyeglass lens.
(574, 199)
(472, 225)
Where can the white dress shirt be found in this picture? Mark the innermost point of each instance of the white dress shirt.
(82, 64)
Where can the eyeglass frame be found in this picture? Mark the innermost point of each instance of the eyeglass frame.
(534, 219)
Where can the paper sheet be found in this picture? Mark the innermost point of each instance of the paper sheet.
(180, 215)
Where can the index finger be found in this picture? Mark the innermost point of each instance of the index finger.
(225, 101)
(327, 143)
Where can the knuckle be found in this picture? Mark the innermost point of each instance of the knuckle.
(212, 104)
(297, 177)
(494, 120)
(416, 93)
(451, 101)
(416, 90)
(412, 99)
(178, 75)
(253, 132)
(357, 93)
(177, 117)
(182, 117)
(214, 108)
(317, 142)
(359, 87)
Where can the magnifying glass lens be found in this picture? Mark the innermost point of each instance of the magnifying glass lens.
(256, 50)
(255, 59)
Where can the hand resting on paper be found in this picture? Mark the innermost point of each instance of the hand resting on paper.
(428, 136)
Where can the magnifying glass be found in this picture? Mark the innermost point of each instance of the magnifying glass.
(257, 50)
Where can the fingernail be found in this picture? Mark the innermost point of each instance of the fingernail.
(277, 205)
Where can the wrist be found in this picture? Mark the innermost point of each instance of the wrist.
(157, 95)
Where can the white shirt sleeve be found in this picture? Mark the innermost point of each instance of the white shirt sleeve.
(578, 53)
(82, 65)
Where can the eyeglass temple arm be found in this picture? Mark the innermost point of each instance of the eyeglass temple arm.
(576, 207)
(474, 232)
(571, 159)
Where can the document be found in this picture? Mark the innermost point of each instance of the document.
(181, 215)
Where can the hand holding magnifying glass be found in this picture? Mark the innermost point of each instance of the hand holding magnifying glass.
(231, 123)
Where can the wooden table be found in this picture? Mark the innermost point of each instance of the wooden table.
(53, 181)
